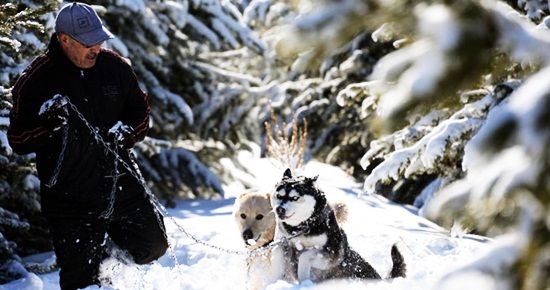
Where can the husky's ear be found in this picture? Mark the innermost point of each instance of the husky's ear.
(311, 180)
(287, 174)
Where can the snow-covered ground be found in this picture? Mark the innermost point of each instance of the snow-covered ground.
(373, 225)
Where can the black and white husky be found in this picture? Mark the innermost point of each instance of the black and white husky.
(317, 247)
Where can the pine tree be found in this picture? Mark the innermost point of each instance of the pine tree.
(429, 97)
(22, 229)
(176, 49)
(459, 114)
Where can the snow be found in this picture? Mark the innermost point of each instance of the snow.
(11, 220)
(30, 39)
(248, 36)
(314, 19)
(203, 30)
(133, 5)
(530, 103)
(119, 46)
(233, 76)
(428, 151)
(534, 8)
(426, 65)
(439, 23)
(382, 33)
(4, 143)
(175, 157)
(151, 23)
(31, 182)
(226, 34)
(522, 38)
(437, 259)
(413, 72)
(373, 225)
(31, 281)
(177, 12)
(522, 111)
(257, 9)
(56, 102)
(177, 101)
(517, 164)
(11, 42)
(353, 90)
(427, 193)
(412, 157)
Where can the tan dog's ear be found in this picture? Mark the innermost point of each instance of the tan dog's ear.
(242, 194)
(268, 195)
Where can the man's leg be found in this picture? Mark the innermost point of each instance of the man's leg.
(138, 230)
(79, 249)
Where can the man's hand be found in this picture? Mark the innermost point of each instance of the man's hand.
(123, 135)
(55, 112)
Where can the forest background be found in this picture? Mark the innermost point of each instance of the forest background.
(443, 105)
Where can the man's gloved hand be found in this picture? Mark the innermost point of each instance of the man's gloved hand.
(123, 135)
(55, 112)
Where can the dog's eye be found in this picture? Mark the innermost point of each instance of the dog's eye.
(294, 198)
(259, 217)
(279, 196)
(243, 216)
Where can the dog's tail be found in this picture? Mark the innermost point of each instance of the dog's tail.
(399, 267)
(340, 211)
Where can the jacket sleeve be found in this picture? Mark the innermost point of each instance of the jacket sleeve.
(136, 108)
(26, 132)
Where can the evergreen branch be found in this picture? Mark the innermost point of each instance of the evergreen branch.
(11, 19)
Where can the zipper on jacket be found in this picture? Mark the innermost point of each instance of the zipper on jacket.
(85, 78)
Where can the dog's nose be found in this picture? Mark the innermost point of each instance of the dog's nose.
(247, 235)
(281, 211)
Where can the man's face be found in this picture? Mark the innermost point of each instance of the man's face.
(80, 55)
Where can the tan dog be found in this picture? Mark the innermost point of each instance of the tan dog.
(256, 222)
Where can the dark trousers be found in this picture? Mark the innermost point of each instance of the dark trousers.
(80, 242)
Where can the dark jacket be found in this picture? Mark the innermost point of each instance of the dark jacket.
(106, 93)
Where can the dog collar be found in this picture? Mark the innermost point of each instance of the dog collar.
(267, 244)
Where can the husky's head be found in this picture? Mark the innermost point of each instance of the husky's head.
(296, 199)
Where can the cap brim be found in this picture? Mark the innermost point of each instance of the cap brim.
(94, 37)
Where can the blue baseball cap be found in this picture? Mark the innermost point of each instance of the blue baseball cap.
(80, 21)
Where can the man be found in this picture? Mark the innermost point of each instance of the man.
(88, 204)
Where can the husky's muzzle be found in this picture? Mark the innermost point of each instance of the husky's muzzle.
(281, 212)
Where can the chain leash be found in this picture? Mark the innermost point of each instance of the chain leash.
(136, 173)
(53, 178)
(114, 174)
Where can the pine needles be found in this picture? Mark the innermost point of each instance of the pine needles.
(11, 18)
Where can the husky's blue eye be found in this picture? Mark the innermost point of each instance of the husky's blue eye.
(294, 198)
(279, 196)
